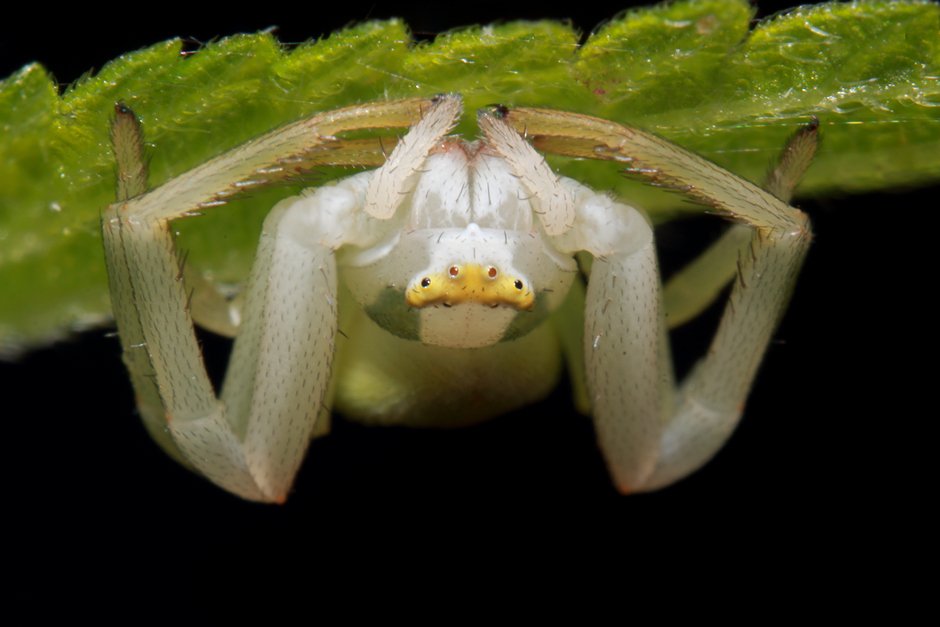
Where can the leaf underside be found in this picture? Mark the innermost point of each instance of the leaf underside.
(698, 73)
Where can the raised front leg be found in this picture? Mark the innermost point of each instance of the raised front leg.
(251, 440)
(651, 433)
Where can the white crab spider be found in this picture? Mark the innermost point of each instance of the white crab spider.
(444, 267)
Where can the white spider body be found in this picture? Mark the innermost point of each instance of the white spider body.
(467, 213)
(448, 275)
(466, 231)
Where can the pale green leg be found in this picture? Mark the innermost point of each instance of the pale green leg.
(568, 321)
(252, 444)
(252, 440)
(210, 307)
(712, 397)
(652, 435)
(696, 286)
(691, 290)
(132, 181)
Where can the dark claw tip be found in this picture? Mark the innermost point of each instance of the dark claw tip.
(497, 110)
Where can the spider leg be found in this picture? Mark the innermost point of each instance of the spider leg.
(651, 435)
(697, 285)
(387, 188)
(251, 440)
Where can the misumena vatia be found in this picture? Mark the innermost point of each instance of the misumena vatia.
(446, 268)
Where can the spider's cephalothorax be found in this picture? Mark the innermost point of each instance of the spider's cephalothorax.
(458, 258)
(465, 263)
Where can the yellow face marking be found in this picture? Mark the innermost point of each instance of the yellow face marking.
(470, 283)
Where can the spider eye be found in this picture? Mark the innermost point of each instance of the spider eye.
(518, 284)
(425, 282)
(491, 272)
(453, 271)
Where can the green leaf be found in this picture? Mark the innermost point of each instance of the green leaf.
(698, 73)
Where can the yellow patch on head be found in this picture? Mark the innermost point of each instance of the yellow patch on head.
(471, 283)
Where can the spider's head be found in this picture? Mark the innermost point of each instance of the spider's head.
(463, 263)
(462, 287)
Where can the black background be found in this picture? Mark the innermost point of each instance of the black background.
(97, 511)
